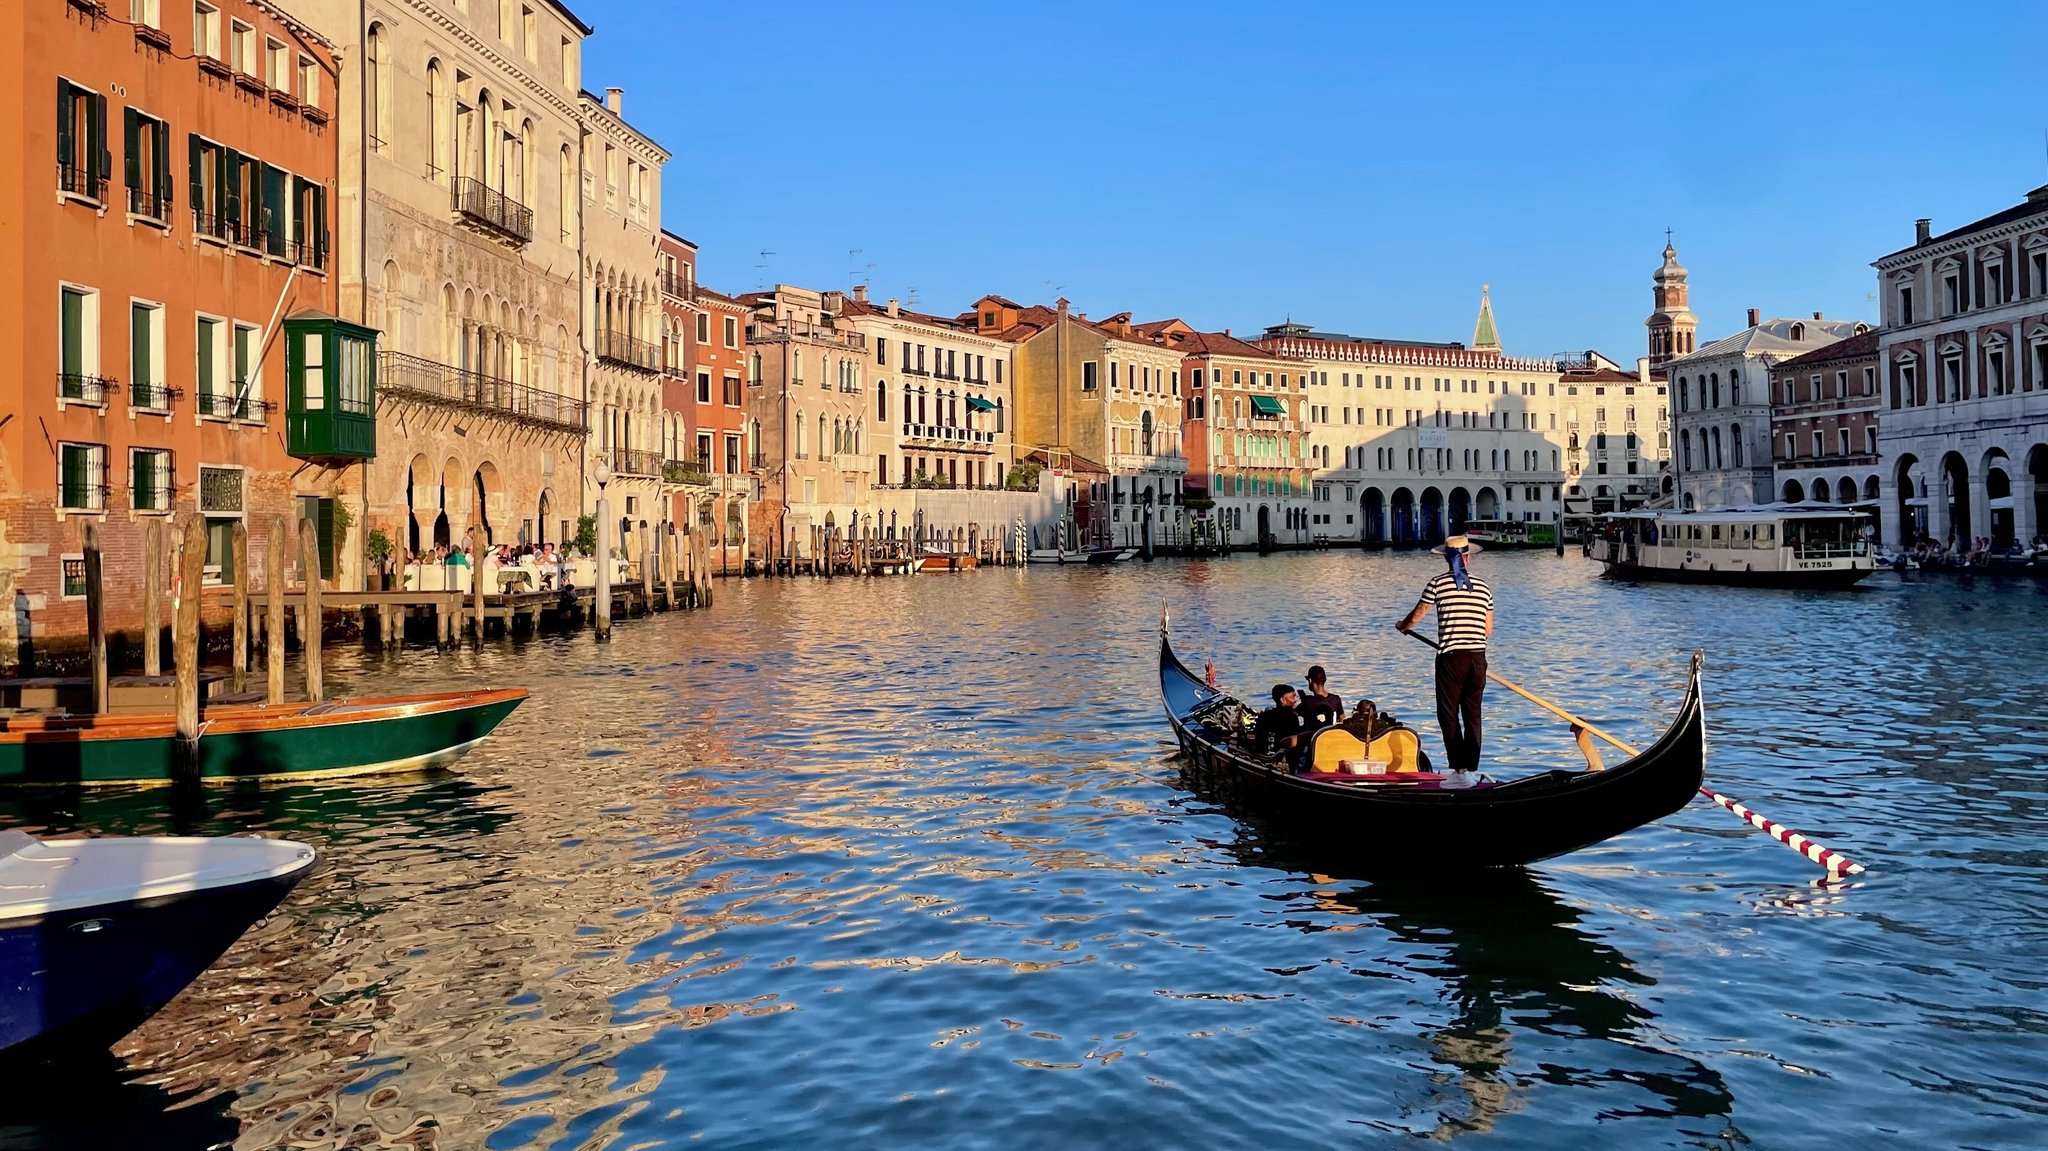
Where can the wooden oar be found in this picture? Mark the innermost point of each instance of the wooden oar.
(1835, 862)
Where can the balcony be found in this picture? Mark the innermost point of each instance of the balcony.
(492, 211)
(695, 472)
(77, 180)
(681, 287)
(1122, 462)
(232, 404)
(151, 397)
(425, 381)
(81, 388)
(309, 254)
(937, 435)
(782, 331)
(226, 229)
(626, 352)
(636, 462)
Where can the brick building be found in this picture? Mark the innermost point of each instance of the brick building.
(1824, 423)
(167, 232)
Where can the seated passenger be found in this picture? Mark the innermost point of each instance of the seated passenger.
(1280, 730)
(1319, 708)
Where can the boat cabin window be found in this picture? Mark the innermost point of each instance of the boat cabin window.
(1767, 536)
(1714, 537)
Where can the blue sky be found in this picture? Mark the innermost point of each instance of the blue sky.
(1363, 167)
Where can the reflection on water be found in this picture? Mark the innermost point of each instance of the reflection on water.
(907, 862)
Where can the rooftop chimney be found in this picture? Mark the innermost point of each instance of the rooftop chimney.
(1062, 304)
(1816, 315)
(1643, 369)
(860, 295)
(1755, 317)
(1923, 229)
(1226, 331)
(892, 305)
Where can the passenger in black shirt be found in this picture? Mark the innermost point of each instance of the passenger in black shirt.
(1280, 729)
(1320, 707)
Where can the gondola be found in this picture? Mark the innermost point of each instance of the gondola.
(1407, 822)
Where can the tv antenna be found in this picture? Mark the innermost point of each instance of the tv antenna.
(912, 291)
(851, 270)
(761, 281)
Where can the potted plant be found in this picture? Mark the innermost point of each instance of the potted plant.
(377, 546)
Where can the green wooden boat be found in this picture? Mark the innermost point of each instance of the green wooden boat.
(254, 741)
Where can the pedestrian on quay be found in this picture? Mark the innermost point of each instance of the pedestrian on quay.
(1464, 620)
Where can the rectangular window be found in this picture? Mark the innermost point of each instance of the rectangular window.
(732, 455)
(146, 357)
(247, 385)
(704, 450)
(1994, 286)
(78, 362)
(1870, 381)
(309, 82)
(83, 163)
(999, 371)
(1951, 294)
(147, 164)
(1905, 304)
(210, 372)
(1089, 371)
(1870, 440)
(735, 392)
(82, 479)
(1842, 441)
(275, 205)
(149, 479)
(703, 387)
(148, 13)
(703, 327)
(277, 65)
(528, 42)
(206, 30)
(309, 237)
(1819, 445)
(2039, 262)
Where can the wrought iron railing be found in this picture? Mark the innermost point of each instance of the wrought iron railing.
(233, 404)
(636, 462)
(151, 397)
(84, 388)
(81, 180)
(310, 254)
(681, 287)
(485, 205)
(146, 202)
(625, 351)
(697, 471)
(414, 378)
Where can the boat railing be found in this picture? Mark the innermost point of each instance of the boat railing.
(1830, 551)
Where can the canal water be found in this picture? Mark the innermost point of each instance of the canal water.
(908, 863)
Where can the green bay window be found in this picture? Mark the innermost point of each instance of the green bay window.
(330, 388)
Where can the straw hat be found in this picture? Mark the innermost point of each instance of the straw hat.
(1457, 544)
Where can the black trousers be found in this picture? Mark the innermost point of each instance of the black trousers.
(1460, 685)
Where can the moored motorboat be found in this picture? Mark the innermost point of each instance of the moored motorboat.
(1055, 556)
(254, 741)
(1509, 535)
(1110, 555)
(1406, 819)
(96, 935)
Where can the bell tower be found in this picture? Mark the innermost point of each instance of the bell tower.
(1672, 326)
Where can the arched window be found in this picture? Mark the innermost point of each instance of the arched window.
(1798, 333)
(1685, 448)
(1735, 444)
(1715, 392)
(1684, 398)
(437, 122)
(1718, 457)
(1145, 431)
(1735, 387)
(374, 84)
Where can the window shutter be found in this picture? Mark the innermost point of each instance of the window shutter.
(206, 338)
(74, 333)
(324, 531)
(164, 188)
(195, 167)
(66, 146)
(131, 157)
(140, 361)
(320, 223)
(299, 218)
(99, 131)
(231, 183)
(138, 479)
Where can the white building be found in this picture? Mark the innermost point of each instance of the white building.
(1964, 449)
(1411, 440)
(1721, 408)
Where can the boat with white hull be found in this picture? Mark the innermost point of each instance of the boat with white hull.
(1775, 545)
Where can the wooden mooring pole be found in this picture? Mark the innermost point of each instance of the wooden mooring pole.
(185, 649)
(476, 580)
(273, 612)
(241, 633)
(95, 616)
(309, 625)
(153, 597)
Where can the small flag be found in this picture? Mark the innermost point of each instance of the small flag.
(1209, 672)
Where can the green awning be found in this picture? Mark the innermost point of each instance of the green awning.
(1267, 406)
(977, 404)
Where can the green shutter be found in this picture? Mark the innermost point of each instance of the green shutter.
(299, 218)
(131, 157)
(206, 338)
(74, 333)
(66, 145)
(195, 166)
(139, 358)
(230, 208)
(320, 225)
(164, 188)
(324, 530)
(100, 153)
(74, 477)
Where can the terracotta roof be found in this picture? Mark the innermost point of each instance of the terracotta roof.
(1073, 462)
(1217, 344)
(855, 307)
(1601, 376)
(1854, 348)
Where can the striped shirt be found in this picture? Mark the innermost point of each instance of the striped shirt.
(1460, 613)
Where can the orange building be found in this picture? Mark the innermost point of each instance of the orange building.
(709, 463)
(165, 231)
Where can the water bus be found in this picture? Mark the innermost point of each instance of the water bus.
(1774, 545)
(1494, 535)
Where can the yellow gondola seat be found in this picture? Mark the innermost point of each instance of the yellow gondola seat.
(1400, 749)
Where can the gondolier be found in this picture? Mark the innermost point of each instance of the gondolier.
(1464, 619)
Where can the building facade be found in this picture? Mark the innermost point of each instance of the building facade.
(807, 398)
(942, 399)
(155, 275)
(623, 318)
(1104, 398)
(1721, 401)
(1247, 436)
(1617, 436)
(1673, 327)
(459, 192)
(1964, 360)
(1824, 424)
(1412, 440)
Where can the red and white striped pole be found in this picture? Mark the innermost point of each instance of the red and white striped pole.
(1834, 861)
